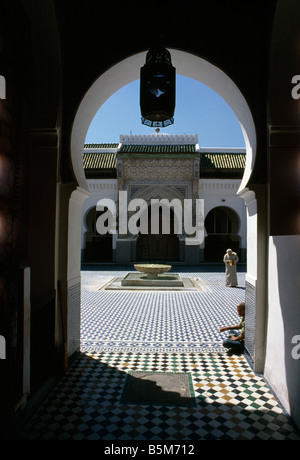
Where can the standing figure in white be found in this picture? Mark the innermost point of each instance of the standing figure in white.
(231, 259)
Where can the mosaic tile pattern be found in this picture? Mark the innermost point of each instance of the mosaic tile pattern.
(232, 402)
(124, 332)
(160, 321)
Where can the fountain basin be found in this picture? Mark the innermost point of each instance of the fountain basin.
(142, 279)
(152, 269)
(152, 275)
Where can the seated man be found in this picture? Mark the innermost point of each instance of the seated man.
(235, 341)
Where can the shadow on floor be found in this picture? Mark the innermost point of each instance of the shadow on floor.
(86, 405)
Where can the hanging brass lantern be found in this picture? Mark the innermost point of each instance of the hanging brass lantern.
(157, 88)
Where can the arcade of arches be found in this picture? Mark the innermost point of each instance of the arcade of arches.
(221, 225)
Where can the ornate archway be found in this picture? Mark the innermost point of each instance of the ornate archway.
(160, 247)
(108, 83)
(186, 64)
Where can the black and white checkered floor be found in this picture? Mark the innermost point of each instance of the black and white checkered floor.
(166, 332)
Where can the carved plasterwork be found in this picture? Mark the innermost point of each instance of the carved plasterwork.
(148, 192)
(217, 186)
(157, 168)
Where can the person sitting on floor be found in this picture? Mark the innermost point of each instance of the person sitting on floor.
(235, 340)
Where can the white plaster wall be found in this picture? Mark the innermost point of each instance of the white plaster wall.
(251, 224)
(282, 370)
(74, 234)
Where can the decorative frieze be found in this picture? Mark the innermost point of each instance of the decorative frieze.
(96, 186)
(148, 192)
(157, 169)
(159, 138)
(217, 185)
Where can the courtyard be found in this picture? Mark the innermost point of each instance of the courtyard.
(158, 333)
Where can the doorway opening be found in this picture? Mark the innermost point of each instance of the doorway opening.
(97, 248)
(222, 227)
(107, 84)
(160, 247)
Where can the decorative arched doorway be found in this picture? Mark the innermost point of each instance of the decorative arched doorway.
(108, 83)
(160, 247)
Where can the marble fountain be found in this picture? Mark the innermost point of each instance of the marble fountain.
(152, 277)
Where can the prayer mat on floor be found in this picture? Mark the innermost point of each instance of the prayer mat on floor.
(152, 388)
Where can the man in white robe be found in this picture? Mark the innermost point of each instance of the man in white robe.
(231, 259)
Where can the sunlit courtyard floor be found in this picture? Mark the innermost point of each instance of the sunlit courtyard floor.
(166, 333)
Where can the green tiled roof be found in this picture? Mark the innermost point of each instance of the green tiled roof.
(103, 164)
(158, 148)
(103, 160)
(222, 160)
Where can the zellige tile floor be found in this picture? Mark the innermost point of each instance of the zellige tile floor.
(163, 332)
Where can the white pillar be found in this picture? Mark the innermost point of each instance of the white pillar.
(77, 199)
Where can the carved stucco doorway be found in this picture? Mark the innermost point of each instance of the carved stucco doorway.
(160, 247)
